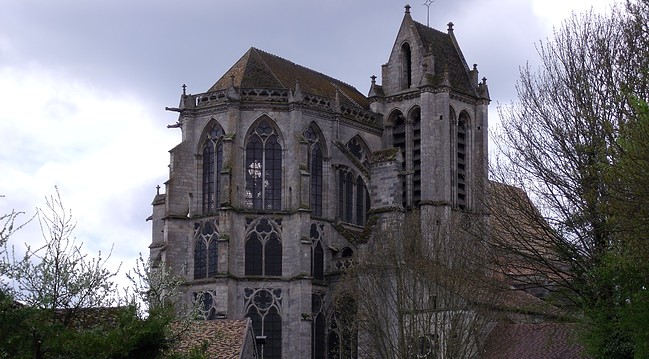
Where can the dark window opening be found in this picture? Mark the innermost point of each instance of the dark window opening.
(263, 169)
(263, 250)
(461, 142)
(205, 250)
(406, 65)
(212, 167)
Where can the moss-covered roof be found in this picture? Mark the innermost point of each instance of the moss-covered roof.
(257, 69)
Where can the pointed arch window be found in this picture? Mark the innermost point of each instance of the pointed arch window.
(318, 327)
(205, 250)
(415, 116)
(406, 65)
(263, 168)
(317, 251)
(406, 136)
(354, 199)
(343, 332)
(263, 250)
(263, 308)
(461, 160)
(205, 305)
(212, 166)
(315, 169)
(399, 141)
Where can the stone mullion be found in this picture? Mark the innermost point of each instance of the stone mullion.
(226, 199)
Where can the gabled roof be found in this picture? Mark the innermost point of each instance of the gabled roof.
(448, 57)
(257, 69)
(225, 338)
(533, 341)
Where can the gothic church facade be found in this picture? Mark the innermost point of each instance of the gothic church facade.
(284, 173)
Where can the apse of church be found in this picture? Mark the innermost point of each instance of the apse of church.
(284, 173)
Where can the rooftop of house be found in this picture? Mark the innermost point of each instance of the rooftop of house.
(224, 338)
(541, 340)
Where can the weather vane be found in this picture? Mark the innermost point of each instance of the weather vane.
(427, 4)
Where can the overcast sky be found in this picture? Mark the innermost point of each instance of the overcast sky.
(83, 84)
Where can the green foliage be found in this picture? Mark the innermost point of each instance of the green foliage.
(578, 142)
(63, 303)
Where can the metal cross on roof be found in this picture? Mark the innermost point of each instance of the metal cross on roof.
(427, 4)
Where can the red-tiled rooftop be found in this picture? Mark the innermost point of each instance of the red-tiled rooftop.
(225, 338)
(533, 341)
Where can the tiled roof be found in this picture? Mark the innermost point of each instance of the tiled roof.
(447, 58)
(533, 341)
(257, 69)
(225, 338)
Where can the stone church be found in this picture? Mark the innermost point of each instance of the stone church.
(284, 173)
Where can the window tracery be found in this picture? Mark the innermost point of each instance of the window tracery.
(263, 168)
(315, 169)
(353, 197)
(205, 303)
(343, 333)
(318, 327)
(263, 248)
(317, 251)
(205, 249)
(212, 167)
(358, 149)
(263, 307)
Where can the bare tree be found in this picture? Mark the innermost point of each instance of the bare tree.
(413, 300)
(562, 143)
(59, 275)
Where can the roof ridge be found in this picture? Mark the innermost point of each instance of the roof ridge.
(428, 27)
(304, 67)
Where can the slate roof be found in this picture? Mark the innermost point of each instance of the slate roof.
(533, 341)
(448, 57)
(257, 69)
(225, 337)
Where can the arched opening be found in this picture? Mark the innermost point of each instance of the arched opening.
(406, 59)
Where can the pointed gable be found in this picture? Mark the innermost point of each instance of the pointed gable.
(257, 69)
(447, 58)
(423, 56)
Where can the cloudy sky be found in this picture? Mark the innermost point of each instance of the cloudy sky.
(83, 84)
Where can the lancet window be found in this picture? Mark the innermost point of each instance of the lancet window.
(353, 197)
(205, 249)
(263, 168)
(212, 166)
(461, 160)
(406, 64)
(263, 307)
(343, 334)
(317, 251)
(263, 248)
(318, 327)
(406, 136)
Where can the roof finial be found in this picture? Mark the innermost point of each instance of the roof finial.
(450, 27)
(373, 80)
(157, 189)
(427, 4)
(407, 9)
(184, 88)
